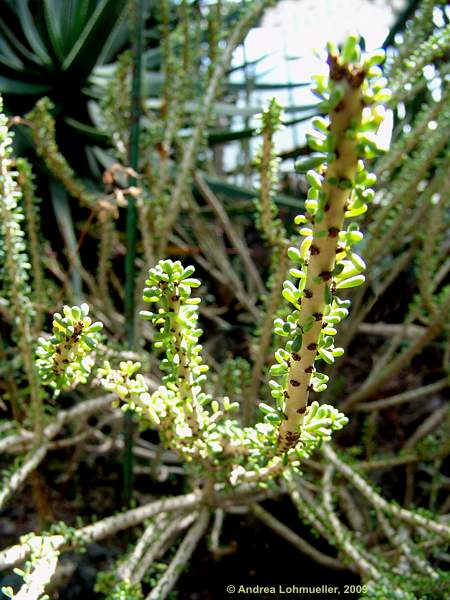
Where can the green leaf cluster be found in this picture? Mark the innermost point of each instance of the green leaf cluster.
(66, 358)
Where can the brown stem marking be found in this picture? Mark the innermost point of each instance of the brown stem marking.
(323, 249)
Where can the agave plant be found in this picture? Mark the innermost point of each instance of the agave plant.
(51, 48)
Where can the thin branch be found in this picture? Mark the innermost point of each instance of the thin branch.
(159, 545)
(407, 548)
(309, 508)
(216, 531)
(84, 409)
(408, 396)
(373, 383)
(126, 569)
(244, 494)
(342, 535)
(190, 151)
(231, 232)
(430, 424)
(182, 556)
(391, 329)
(103, 528)
(21, 474)
(379, 502)
(293, 538)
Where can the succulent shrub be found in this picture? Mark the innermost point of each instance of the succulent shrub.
(226, 455)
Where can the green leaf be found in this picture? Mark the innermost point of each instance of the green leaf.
(349, 48)
(9, 59)
(350, 282)
(310, 162)
(31, 32)
(24, 53)
(289, 296)
(266, 409)
(237, 192)
(85, 53)
(52, 13)
(14, 86)
(118, 39)
(375, 58)
(249, 63)
(297, 343)
(294, 255)
(254, 85)
(273, 418)
(224, 135)
(358, 262)
(92, 133)
(356, 212)
(192, 282)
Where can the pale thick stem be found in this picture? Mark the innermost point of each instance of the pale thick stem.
(321, 263)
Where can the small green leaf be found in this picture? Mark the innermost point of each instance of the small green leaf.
(310, 162)
(192, 282)
(314, 179)
(273, 418)
(326, 355)
(294, 255)
(297, 343)
(351, 282)
(375, 58)
(349, 49)
(266, 409)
